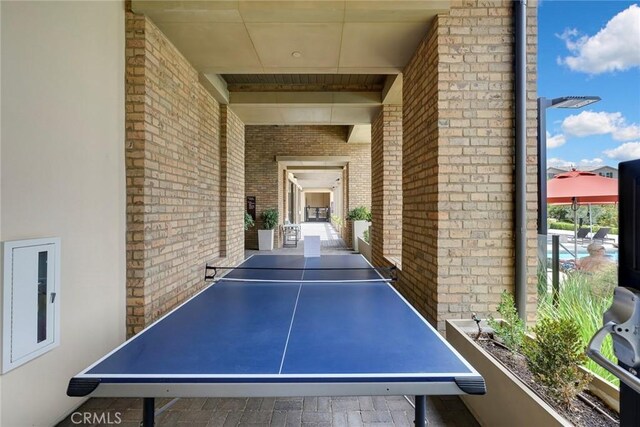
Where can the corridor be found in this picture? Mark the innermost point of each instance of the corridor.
(330, 241)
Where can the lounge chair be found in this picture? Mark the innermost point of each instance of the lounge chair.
(601, 234)
(582, 234)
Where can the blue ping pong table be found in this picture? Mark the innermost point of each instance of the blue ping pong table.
(286, 326)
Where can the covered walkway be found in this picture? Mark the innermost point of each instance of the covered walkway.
(330, 240)
(201, 112)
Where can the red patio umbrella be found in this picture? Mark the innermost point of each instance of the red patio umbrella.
(585, 187)
(579, 187)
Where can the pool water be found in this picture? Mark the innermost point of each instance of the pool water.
(611, 253)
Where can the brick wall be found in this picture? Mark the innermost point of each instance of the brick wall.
(386, 185)
(176, 218)
(232, 186)
(266, 180)
(458, 240)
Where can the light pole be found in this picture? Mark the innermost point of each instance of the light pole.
(543, 104)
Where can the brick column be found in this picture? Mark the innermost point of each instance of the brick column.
(185, 181)
(457, 247)
(386, 185)
(231, 186)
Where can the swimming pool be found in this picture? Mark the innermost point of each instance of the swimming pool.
(611, 253)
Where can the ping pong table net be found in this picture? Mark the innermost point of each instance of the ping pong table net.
(387, 274)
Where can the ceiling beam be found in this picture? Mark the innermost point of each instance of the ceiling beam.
(289, 161)
(307, 98)
(216, 86)
(359, 134)
(392, 90)
(306, 114)
(316, 169)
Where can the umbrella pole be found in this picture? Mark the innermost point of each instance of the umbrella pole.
(574, 207)
(575, 236)
(590, 220)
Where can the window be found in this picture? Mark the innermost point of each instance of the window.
(31, 307)
(609, 174)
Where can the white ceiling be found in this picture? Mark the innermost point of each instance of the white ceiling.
(296, 37)
(310, 179)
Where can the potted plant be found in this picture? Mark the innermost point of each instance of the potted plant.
(248, 221)
(269, 222)
(361, 218)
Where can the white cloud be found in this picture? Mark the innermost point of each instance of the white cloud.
(590, 163)
(582, 164)
(616, 47)
(590, 123)
(555, 162)
(627, 133)
(626, 151)
(555, 140)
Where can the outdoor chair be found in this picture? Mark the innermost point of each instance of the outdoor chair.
(291, 233)
(601, 234)
(582, 234)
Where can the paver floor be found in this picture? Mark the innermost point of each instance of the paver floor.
(364, 411)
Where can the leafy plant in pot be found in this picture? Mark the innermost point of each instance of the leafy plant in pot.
(269, 219)
(248, 221)
(361, 213)
(361, 219)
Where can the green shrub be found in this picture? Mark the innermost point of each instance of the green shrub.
(558, 225)
(554, 358)
(608, 216)
(361, 213)
(511, 330)
(337, 220)
(269, 219)
(604, 215)
(584, 298)
(367, 236)
(248, 221)
(559, 212)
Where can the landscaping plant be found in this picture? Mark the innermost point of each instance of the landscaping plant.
(511, 330)
(269, 219)
(554, 358)
(337, 220)
(367, 236)
(584, 298)
(361, 213)
(248, 221)
(542, 283)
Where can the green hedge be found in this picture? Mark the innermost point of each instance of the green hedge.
(557, 225)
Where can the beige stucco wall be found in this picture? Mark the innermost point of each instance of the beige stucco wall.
(62, 174)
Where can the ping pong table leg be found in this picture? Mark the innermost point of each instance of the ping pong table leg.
(148, 412)
(421, 411)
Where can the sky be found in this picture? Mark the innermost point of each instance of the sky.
(588, 47)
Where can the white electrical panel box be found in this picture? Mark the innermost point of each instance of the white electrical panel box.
(31, 300)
